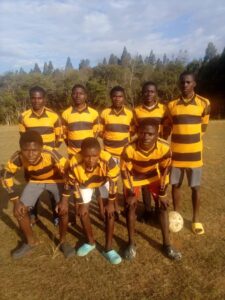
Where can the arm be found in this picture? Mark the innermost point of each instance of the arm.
(205, 117)
(58, 129)
(22, 127)
(164, 169)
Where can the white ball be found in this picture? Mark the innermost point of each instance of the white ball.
(176, 221)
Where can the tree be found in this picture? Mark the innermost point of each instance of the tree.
(50, 67)
(210, 52)
(68, 65)
(125, 58)
(84, 64)
(45, 69)
(104, 62)
(113, 59)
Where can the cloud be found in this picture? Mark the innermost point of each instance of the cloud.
(39, 31)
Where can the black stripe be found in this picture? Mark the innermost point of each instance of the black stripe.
(96, 121)
(204, 127)
(75, 143)
(111, 163)
(57, 123)
(117, 127)
(80, 126)
(40, 171)
(154, 120)
(50, 144)
(185, 138)
(42, 129)
(141, 176)
(196, 156)
(94, 179)
(186, 119)
(148, 163)
(115, 144)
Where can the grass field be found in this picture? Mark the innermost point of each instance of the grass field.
(47, 275)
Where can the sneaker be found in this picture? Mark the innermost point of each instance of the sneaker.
(145, 217)
(56, 221)
(67, 250)
(24, 250)
(117, 215)
(113, 257)
(130, 252)
(171, 252)
(85, 249)
(33, 220)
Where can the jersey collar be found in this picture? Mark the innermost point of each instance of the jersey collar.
(75, 110)
(38, 116)
(191, 101)
(118, 113)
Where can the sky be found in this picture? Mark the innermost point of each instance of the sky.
(37, 31)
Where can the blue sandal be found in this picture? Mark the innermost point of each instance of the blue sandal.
(85, 249)
(113, 257)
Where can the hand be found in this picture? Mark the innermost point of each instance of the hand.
(109, 209)
(164, 202)
(19, 210)
(62, 207)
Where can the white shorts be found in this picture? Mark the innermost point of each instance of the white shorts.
(87, 193)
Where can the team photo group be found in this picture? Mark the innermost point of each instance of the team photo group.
(121, 153)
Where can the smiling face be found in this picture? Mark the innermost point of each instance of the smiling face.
(117, 99)
(31, 152)
(37, 101)
(79, 96)
(147, 136)
(90, 158)
(149, 94)
(187, 85)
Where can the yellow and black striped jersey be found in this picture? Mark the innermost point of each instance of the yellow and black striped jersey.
(78, 125)
(116, 129)
(158, 114)
(139, 167)
(106, 170)
(48, 124)
(189, 122)
(50, 168)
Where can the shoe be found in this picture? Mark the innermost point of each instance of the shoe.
(130, 252)
(113, 257)
(85, 249)
(171, 252)
(24, 250)
(117, 215)
(33, 220)
(56, 221)
(67, 250)
(198, 228)
(145, 217)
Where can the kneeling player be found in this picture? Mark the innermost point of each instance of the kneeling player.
(44, 170)
(146, 162)
(89, 169)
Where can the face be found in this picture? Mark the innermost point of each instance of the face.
(37, 101)
(31, 152)
(117, 99)
(90, 157)
(79, 96)
(149, 94)
(187, 85)
(147, 136)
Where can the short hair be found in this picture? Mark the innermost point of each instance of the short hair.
(117, 88)
(90, 142)
(79, 86)
(149, 122)
(187, 73)
(38, 89)
(30, 136)
(147, 83)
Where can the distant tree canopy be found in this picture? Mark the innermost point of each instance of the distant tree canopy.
(127, 71)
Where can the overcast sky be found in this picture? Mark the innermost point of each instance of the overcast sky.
(39, 31)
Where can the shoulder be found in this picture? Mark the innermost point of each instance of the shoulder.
(204, 101)
(128, 110)
(26, 113)
(75, 160)
(67, 112)
(15, 158)
(105, 112)
(51, 112)
(137, 108)
(172, 103)
(163, 145)
(93, 111)
(104, 155)
(52, 153)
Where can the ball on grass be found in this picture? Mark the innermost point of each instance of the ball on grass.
(176, 221)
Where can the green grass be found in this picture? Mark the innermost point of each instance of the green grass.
(47, 275)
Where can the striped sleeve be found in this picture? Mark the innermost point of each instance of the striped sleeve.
(58, 129)
(112, 174)
(205, 116)
(126, 167)
(22, 128)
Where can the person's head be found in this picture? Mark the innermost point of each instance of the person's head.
(78, 94)
(147, 133)
(37, 98)
(90, 151)
(31, 145)
(117, 95)
(149, 92)
(187, 83)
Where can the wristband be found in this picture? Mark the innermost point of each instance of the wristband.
(14, 198)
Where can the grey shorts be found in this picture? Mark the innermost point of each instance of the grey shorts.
(193, 176)
(32, 191)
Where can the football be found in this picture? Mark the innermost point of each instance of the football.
(176, 221)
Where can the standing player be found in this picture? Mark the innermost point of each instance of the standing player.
(47, 123)
(146, 163)
(153, 110)
(189, 116)
(93, 168)
(117, 127)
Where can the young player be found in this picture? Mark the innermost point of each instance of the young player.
(43, 170)
(79, 120)
(93, 168)
(48, 124)
(146, 162)
(153, 110)
(117, 127)
(189, 116)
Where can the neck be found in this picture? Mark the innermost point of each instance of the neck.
(80, 106)
(189, 95)
(146, 148)
(117, 109)
(150, 103)
(39, 111)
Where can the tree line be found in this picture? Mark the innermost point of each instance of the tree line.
(127, 71)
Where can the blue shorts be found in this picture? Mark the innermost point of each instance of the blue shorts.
(193, 176)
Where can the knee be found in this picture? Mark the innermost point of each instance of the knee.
(195, 189)
(176, 186)
(82, 211)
